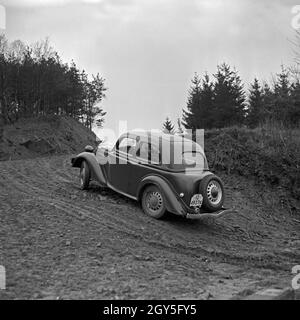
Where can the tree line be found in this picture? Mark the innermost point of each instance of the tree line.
(221, 101)
(35, 82)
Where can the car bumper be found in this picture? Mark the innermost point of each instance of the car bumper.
(216, 214)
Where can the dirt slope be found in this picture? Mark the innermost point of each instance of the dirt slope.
(30, 138)
(59, 241)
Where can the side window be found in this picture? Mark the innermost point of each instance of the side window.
(149, 153)
(155, 154)
(127, 145)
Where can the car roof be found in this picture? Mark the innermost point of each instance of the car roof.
(145, 134)
(155, 135)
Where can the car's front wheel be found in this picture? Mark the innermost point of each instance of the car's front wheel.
(85, 175)
(153, 202)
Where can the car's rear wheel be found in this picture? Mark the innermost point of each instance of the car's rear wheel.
(212, 190)
(153, 202)
(85, 175)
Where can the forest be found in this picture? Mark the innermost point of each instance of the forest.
(222, 101)
(34, 81)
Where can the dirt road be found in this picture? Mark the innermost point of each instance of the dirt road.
(60, 242)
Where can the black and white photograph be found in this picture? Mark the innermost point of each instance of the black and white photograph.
(149, 151)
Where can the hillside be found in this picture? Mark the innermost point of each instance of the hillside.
(29, 138)
(269, 156)
(66, 243)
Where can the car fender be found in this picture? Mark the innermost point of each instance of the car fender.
(173, 203)
(96, 170)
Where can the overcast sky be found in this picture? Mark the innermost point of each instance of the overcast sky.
(148, 50)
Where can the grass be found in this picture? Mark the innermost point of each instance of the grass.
(269, 153)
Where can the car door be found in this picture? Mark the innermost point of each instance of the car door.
(119, 165)
(145, 162)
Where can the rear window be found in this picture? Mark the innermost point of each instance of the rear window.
(189, 160)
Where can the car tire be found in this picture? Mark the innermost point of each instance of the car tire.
(153, 202)
(85, 175)
(212, 189)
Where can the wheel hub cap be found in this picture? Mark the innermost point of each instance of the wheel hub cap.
(214, 192)
(154, 201)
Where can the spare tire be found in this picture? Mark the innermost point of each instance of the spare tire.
(212, 189)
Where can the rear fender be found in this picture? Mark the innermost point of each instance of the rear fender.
(173, 203)
(96, 170)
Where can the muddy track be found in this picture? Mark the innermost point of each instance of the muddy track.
(46, 218)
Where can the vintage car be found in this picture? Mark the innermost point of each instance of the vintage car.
(165, 173)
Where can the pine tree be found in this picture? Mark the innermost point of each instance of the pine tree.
(229, 99)
(282, 97)
(255, 110)
(190, 116)
(168, 127)
(294, 110)
(268, 102)
(200, 103)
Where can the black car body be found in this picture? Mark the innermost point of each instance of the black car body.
(165, 172)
